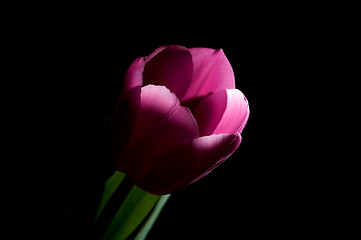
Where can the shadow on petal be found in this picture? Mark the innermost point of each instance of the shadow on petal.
(188, 163)
(171, 67)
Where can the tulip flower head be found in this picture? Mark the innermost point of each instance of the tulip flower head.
(179, 117)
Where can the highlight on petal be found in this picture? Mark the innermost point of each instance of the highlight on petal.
(225, 111)
(187, 163)
(171, 67)
(161, 125)
(236, 114)
(211, 72)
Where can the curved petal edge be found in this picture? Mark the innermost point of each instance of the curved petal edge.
(187, 163)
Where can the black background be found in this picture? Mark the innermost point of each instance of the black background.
(294, 172)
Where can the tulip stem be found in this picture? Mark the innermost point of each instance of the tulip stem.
(107, 214)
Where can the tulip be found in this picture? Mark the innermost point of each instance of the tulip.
(179, 117)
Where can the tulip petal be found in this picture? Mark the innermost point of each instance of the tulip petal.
(133, 76)
(225, 111)
(169, 66)
(187, 163)
(161, 125)
(211, 72)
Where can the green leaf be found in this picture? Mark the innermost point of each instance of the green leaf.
(152, 218)
(110, 186)
(135, 208)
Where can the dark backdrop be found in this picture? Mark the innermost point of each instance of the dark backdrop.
(293, 173)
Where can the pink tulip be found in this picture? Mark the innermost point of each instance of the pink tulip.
(179, 117)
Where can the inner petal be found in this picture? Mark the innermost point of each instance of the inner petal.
(172, 67)
(209, 111)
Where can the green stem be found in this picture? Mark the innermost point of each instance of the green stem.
(108, 212)
(147, 226)
(125, 211)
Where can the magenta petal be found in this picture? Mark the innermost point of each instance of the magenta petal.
(187, 163)
(236, 114)
(169, 66)
(209, 112)
(225, 111)
(161, 125)
(211, 72)
(134, 75)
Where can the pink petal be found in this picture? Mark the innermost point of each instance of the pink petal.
(187, 163)
(134, 75)
(171, 67)
(156, 51)
(211, 72)
(236, 114)
(161, 125)
(225, 111)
